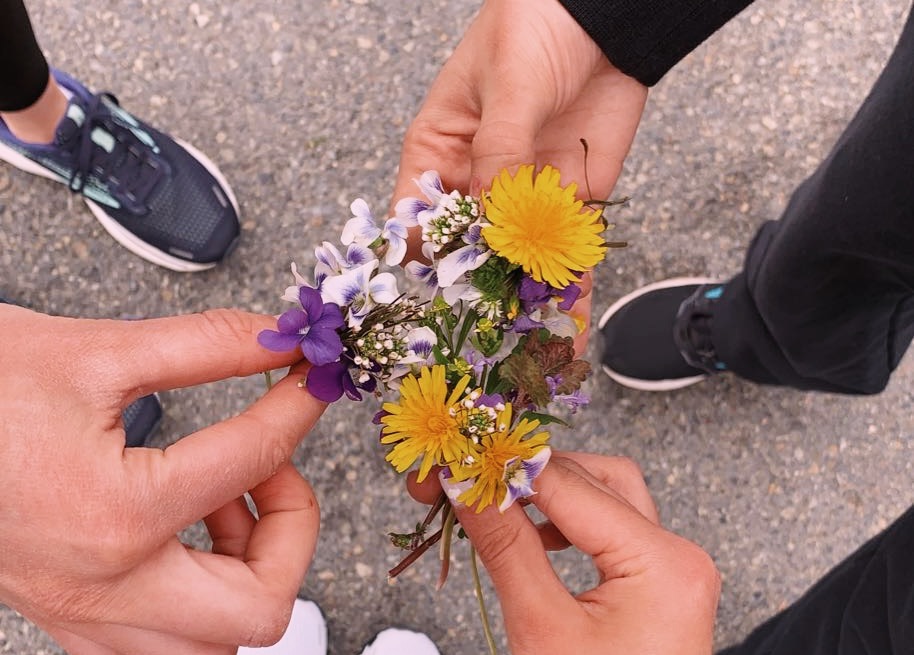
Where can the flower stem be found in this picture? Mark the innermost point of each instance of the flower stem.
(434, 509)
(268, 378)
(413, 556)
(447, 533)
(484, 615)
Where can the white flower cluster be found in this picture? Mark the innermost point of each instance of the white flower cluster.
(448, 219)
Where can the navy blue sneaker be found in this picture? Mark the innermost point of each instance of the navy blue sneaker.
(158, 197)
(658, 337)
(141, 418)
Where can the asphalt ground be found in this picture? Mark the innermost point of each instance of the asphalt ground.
(303, 105)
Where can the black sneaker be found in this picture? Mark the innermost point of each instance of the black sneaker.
(141, 418)
(158, 197)
(657, 338)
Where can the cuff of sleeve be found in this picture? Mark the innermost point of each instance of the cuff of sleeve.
(646, 38)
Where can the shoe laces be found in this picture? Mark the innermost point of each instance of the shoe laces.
(692, 329)
(130, 168)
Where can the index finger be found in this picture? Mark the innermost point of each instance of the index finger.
(141, 357)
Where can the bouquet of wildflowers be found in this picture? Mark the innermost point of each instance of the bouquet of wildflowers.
(474, 363)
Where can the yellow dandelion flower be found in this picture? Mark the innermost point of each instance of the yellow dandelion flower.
(497, 463)
(540, 226)
(423, 423)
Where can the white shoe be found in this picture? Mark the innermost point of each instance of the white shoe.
(394, 641)
(306, 634)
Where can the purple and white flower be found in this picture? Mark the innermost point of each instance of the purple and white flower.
(520, 474)
(465, 259)
(550, 317)
(427, 274)
(360, 291)
(461, 292)
(293, 293)
(445, 217)
(420, 345)
(363, 230)
(312, 328)
(331, 262)
(410, 208)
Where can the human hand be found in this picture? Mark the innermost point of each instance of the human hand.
(657, 592)
(87, 527)
(525, 85)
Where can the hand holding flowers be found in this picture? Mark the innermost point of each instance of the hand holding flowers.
(477, 362)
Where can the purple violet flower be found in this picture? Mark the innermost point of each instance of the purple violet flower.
(524, 324)
(313, 328)
(573, 401)
(330, 381)
(533, 294)
(490, 400)
(478, 362)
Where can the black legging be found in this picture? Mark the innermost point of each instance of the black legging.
(23, 68)
(826, 298)
(864, 606)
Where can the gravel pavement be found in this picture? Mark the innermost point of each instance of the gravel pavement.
(303, 105)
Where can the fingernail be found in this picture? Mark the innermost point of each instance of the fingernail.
(453, 490)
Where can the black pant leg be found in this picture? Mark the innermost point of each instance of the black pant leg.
(864, 606)
(826, 298)
(23, 68)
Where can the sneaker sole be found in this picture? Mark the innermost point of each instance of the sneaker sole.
(122, 235)
(652, 385)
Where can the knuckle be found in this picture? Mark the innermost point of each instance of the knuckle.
(275, 447)
(698, 576)
(495, 545)
(629, 472)
(114, 548)
(224, 326)
(267, 623)
(502, 139)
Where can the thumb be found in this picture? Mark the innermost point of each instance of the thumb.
(505, 140)
(203, 471)
(511, 549)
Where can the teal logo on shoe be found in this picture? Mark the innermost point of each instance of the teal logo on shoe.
(715, 293)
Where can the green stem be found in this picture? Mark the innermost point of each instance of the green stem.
(268, 377)
(477, 586)
(469, 320)
(447, 533)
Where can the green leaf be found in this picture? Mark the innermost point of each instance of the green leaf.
(469, 321)
(544, 419)
(526, 375)
(439, 356)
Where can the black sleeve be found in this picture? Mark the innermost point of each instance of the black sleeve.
(646, 38)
